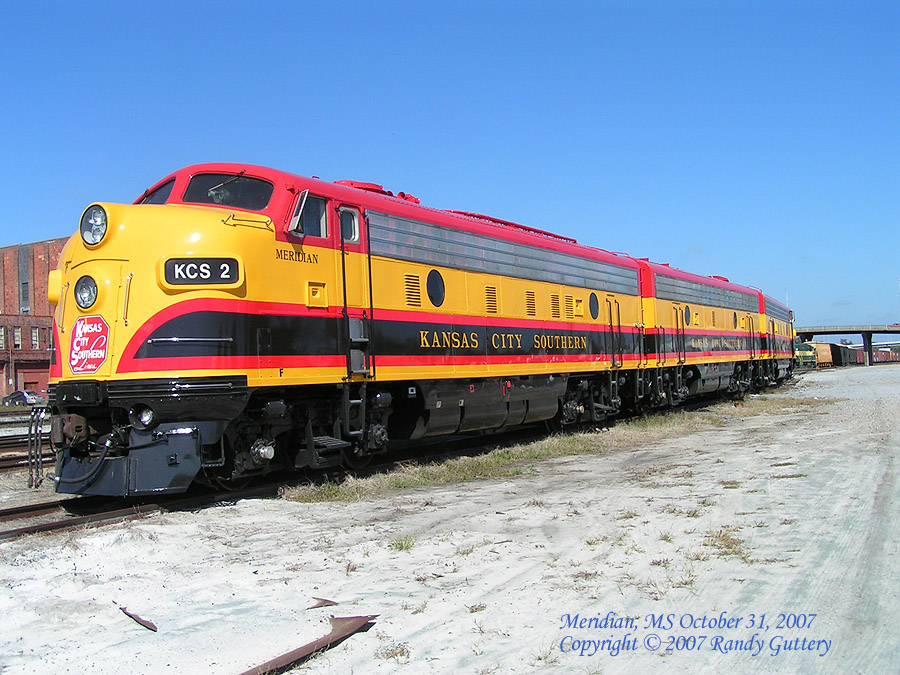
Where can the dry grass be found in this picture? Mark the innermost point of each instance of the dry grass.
(725, 544)
(773, 404)
(398, 651)
(519, 460)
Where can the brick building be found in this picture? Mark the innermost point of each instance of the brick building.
(26, 336)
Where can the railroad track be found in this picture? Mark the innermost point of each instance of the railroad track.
(16, 462)
(17, 440)
(14, 428)
(79, 512)
(94, 511)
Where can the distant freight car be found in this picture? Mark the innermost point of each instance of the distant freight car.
(823, 354)
(885, 356)
(843, 356)
(828, 354)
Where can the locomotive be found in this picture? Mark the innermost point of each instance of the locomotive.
(236, 320)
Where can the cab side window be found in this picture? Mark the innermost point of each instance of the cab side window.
(349, 226)
(313, 222)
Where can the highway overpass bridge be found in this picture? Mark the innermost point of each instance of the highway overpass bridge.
(806, 333)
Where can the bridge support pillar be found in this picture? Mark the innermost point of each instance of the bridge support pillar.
(867, 345)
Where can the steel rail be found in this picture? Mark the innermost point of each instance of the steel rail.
(341, 628)
(121, 514)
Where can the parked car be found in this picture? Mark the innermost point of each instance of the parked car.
(23, 397)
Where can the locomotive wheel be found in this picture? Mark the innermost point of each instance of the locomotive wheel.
(219, 478)
(353, 461)
(222, 483)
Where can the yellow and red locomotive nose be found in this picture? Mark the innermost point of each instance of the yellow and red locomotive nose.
(130, 263)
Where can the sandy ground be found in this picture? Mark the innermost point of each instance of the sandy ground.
(766, 545)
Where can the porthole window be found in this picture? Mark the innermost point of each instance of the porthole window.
(595, 306)
(435, 286)
(687, 316)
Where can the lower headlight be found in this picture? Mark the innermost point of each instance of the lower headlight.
(142, 416)
(85, 292)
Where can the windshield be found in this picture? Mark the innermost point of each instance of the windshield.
(226, 189)
(160, 195)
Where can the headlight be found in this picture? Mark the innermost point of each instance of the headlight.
(142, 416)
(93, 225)
(85, 292)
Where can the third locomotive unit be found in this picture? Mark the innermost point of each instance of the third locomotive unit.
(235, 320)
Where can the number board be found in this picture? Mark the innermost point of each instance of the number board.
(201, 271)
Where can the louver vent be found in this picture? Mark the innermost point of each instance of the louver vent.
(490, 299)
(570, 307)
(413, 290)
(554, 306)
(530, 304)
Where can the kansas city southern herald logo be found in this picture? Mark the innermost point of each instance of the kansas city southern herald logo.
(90, 339)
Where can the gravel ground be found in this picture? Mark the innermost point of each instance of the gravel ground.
(764, 543)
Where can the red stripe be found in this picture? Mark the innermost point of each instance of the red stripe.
(232, 363)
(56, 368)
(701, 331)
(399, 361)
(693, 355)
(126, 363)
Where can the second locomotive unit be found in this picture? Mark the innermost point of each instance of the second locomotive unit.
(236, 319)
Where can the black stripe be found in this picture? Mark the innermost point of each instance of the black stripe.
(211, 334)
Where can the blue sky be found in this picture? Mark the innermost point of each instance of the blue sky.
(754, 140)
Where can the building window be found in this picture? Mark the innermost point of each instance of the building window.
(24, 304)
(35, 338)
(25, 253)
(2, 337)
(17, 338)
